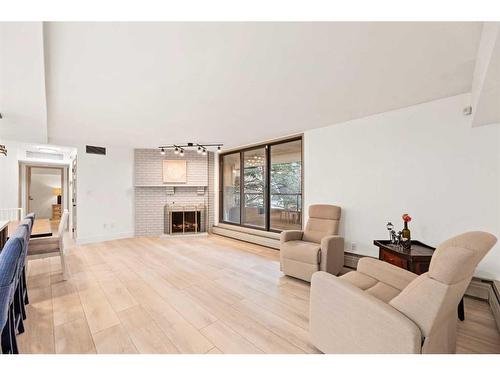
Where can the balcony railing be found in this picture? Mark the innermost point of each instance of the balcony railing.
(292, 203)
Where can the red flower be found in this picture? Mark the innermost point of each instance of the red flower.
(406, 218)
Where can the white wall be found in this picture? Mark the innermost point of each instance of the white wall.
(105, 195)
(9, 177)
(425, 160)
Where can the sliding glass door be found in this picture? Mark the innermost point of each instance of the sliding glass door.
(261, 187)
(230, 172)
(286, 186)
(254, 188)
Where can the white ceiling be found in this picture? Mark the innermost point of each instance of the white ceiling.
(22, 82)
(145, 84)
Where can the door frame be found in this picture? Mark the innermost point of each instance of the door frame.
(73, 202)
(25, 182)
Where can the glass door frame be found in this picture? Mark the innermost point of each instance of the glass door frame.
(265, 191)
(267, 183)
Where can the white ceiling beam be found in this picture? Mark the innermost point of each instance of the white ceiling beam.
(486, 80)
(23, 102)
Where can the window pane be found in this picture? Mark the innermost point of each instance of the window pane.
(254, 187)
(286, 186)
(231, 188)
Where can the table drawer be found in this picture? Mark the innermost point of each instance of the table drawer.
(391, 258)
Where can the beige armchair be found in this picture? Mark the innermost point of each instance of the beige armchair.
(316, 248)
(51, 246)
(381, 308)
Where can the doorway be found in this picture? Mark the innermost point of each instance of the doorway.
(45, 189)
(73, 197)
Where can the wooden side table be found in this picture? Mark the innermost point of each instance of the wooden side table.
(416, 259)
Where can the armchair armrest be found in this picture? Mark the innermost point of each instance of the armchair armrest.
(332, 254)
(345, 319)
(291, 235)
(387, 273)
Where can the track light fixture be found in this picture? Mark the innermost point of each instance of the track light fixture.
(200, 148)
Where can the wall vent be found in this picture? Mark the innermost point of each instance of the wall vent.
(43, 155)
(96, 150)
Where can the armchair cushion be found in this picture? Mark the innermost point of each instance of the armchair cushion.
(359, 280)
(387, 273)
(317, 228)
(370, 285)
(383, 291)
(380, 279)
(301, 251)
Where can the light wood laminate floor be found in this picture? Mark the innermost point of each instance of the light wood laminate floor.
(184, 295)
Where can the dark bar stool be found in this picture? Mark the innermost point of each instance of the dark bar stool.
(23, 234)
(9, 279)
(28, 223)
(31, 217)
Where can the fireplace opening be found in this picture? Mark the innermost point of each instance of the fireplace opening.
(185, 222)
(192, 221)
(177, 225)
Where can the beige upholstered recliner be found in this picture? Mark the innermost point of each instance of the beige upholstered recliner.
(316, 248)
(381, 308)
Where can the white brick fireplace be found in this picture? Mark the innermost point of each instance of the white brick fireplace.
(153, 197)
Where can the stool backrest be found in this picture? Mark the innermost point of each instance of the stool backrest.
(28, 224)
(31, 216)
(23, 233)
(9, 258)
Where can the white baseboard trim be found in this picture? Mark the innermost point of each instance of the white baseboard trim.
(103, 238)
(241, 229)
(257, 238)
